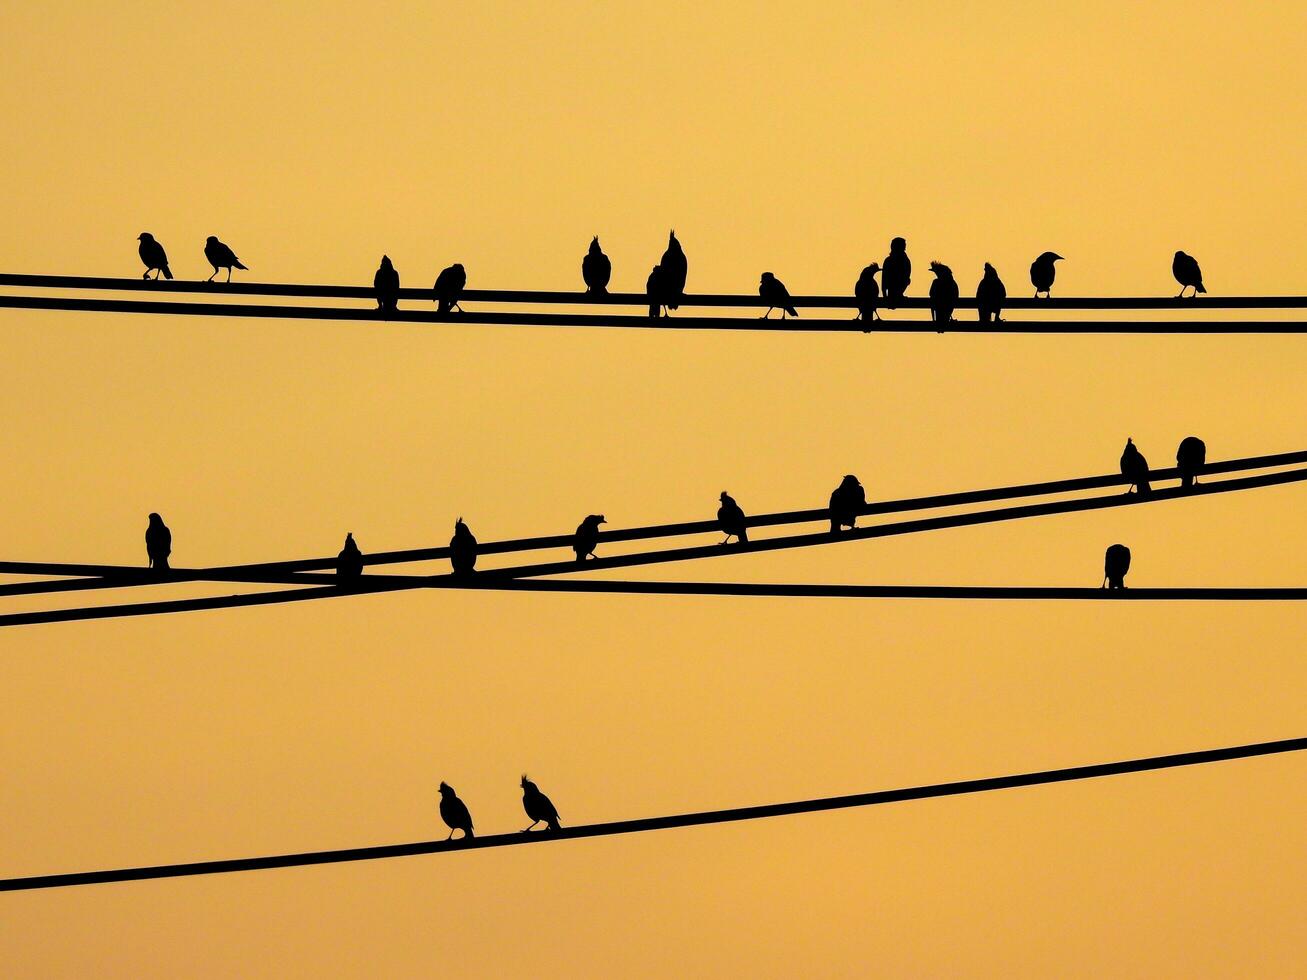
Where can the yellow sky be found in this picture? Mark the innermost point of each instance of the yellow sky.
(313, 137)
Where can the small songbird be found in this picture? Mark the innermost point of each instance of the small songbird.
(220, 257)
(990, 294)
(454, 812)
(596, 269)
(587, 536)
(1043, 272)
(1116, 562)
(654, 289)
(449, 288)
(158, 543)
(674, 268)
(538, 806)
(896, 273)
(846, 501)
(349, 563)
(1186, 272)
(1190, 459)
(774, 293)
(943, 293)
(730, 518)
(386, 283)
(867, 293)
(1135, 468)
(154, 257)
(463, 549)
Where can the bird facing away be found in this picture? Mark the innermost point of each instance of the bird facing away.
(154, 257)
(672, 272)
(1135, 468)
(845, 502)
(1043, 272)
(386, 283)
(867, 293)
(654, 289)
(774, 294)
(1186, 272)
(220, 257)
(587, 536)
(349, 563)
(454, 812)
(896, 273)
(538, 806)
(463, 549)
(1189, 459)
(596, 269)
(449, 288)
(990, 294)
(730, 518)
(1115, 564)
(943, 293)
(158, 543)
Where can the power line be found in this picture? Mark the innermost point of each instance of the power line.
(876, 798)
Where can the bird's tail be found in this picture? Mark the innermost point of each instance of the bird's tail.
(744, 535)
(653, 310)
(1144, 487)
(791, 311)
(555, 825)
(239, 265)
(167, 273)
(1200, 288)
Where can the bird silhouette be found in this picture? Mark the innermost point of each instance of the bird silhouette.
(774, 293)
(454, 812)
(1043, 272)
(386, 283)
(867, 293)
(349, 563)
(221, 256)
(1186, 272)
(463, 549)
(1116, 562)
(654, 289)
(674, 268)
(896, 273)
(1190, 459)
(596, 270)
(587, 536)
(943, 293)
(538, 806)
(990, 294)
(154, 257)
(449, 288)
(158, 543)
(846, 501)
(1135, 468)
(730, 518)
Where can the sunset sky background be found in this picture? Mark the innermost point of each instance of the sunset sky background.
(313, 137)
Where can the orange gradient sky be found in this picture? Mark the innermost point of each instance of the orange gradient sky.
(313, 137)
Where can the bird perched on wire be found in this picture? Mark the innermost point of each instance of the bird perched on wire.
(1187, 274)
(386, 283)
(672, 272)
(454, 812)
(538, 806)
(730, 518)
(774, 293)
(846, 501)
(1116, 562)
(1135, 468)
(587, 536)
(596, 269)
(349, 563)
(1190, 459)
(654, 289)
(221, 256)
(896, 273)
(463, 549)
(158, 543)
(154, 257)
(990, 294)
(448, 289)
(867, 293)
(1042, 273)
(943, 293)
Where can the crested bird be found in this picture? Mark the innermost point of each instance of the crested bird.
(221, 256)
(1135, 468)
(349, 563)
(730, 518)
(673, 270)
(386, 283)
(990, 294)
(1190, 459)
(449, 288)
(596, 269)
(538, 807)
(1186, 272)
(867, 293)
(154, 257)
(774, 293)
(654, 289)
(943, 293)
(454, 812)
(587, 536)
(845, 502)
(1116, 562)
(158, 543)
(896, 274)
(463, 549)
(1043, 272)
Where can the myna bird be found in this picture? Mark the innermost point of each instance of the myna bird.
(654, 289)
(846, 501)
(1190, 459)
(154, 257)
(943, 293)
(990, 294)
(896, 273)
(1187, 274)
(386, 283)
(674, 268)
(587, 536)
(1116, 562)
(220, 257)
(449, 288)
(454, 812)
(1135, 468)
(349, 563)
(463, 549)
(158, 543)
(1043, 272)
(774, 294)
(867, 293)
(538, 806)
(596, 269)
(730, 518)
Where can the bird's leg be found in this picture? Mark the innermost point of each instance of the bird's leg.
(229, 273)
(215, 272)
(450, 837)
(531, 828)
(767, 315)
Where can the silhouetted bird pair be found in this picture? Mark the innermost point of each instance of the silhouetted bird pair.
(537, 806)
(1190, 458)
(156, 259)
(666, 284)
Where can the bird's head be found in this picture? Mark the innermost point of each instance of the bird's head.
(445, 789)
(594, 244)
(898, 245)
(767, 276)
(155, 519)
(145, 236)
(598, 519)
(872, 269)
(989, 270)
(724, 497)
(385, 262)
(1181, 255)
(850, 480)
(211, 240)
(458, 266)
(941, 270)
(1049, 258)
(526, 783)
